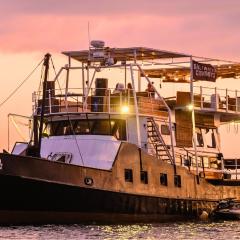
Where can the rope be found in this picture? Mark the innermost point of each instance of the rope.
(56, 75)
(19, 86)
(75, 138)
(40, 82)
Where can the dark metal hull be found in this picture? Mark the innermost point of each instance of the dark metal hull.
(33, 201)
(35, 190)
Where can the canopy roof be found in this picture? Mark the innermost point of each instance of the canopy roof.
(182, 74)
(124, 54)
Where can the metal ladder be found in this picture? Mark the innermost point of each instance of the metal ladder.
(156, 139)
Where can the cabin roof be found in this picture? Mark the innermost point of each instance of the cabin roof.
(125, 54)
(182, 74)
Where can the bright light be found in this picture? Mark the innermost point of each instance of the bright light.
(125, 109)
(190, 107)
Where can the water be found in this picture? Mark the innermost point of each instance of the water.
(197, 230)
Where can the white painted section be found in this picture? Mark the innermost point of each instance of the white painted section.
(166, 138)
(132, 130)
(97, 151)
(19, 148)
(230, 140)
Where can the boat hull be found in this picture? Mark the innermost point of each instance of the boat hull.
(35, 190)
(35, 201)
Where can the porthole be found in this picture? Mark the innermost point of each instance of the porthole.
(88, 181)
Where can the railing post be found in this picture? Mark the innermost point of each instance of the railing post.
(236, 93)
(201, 97)
(120, 100)
(49, 101)
(236, 167)
(226, 99)
(109, 99)
(216, 99)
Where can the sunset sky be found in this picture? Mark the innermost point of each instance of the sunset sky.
(30, 28)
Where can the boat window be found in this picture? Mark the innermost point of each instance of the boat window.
(206, 162)
(46, 130)
(163, 179)
(113, 127)
(128, 174)
(144, 177)
(165, 130)
(177, 181)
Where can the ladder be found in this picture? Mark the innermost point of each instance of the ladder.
(156, 139)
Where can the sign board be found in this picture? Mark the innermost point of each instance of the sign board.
(204, 72)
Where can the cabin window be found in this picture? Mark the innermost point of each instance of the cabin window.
(112, 127)
(177, 181)
(163, 179)
(144, 177)
(165, 130)
(128, 175)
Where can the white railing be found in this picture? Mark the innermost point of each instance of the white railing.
(99, 100)
(233, 168)
(217, 99)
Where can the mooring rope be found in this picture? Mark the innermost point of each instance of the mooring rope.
(20, 85)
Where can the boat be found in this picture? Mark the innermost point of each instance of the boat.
(103, 153)
(227, 209)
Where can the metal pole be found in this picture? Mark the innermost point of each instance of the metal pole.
(139, 81)
(136, 108)
(193, 118)
(236, 97)
(49, 101)
(46, 64)
(83, 86)
(89, 86)
(8, 134)
(125, 76)
(66, 87)
(226, 99)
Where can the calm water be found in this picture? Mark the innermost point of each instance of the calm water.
(220, 230)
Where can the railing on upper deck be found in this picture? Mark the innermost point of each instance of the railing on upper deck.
(209, 166)
(217, 99)
(233, 168)
(99, 101)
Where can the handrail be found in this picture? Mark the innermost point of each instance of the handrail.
(218, 99)
(168, 110)
(161, 139)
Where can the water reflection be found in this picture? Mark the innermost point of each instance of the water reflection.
(188, 230)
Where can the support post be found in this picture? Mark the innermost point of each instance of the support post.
(236, 97)
(46, 64)
(216, 99)
(193, 119)
(8, 134)
(226, 99)
(66, 88)
(201, 97)
(83, 86)
(139, 81)
(136, 108)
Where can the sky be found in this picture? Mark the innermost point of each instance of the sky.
(29, 29)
